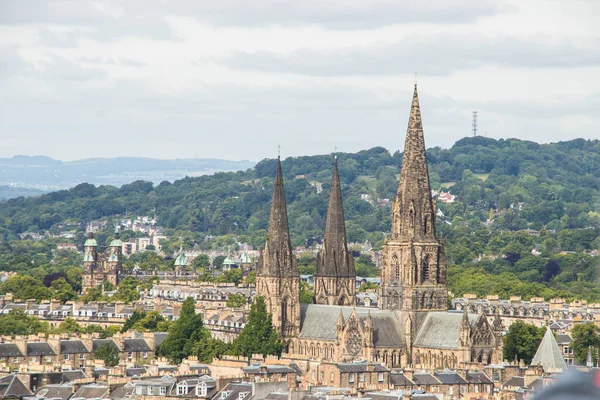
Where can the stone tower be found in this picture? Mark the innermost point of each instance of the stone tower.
(335, 276)
(277, 276)
(90, 258)
(413, 277)
(113, 264)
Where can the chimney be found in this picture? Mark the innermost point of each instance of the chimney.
(119, 307)
(54, 304)
(21, 342)
(87, 340)
(29, 303)
(150, 339)
(54, 342)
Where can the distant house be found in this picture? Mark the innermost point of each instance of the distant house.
(446, 197)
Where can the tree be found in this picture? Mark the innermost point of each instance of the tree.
(187, 336)
(236, 300)
(584, 336)
(306, 293)
(522, 341)
(19, 323)
(62, 290)
(69, 325)
(218, 261)
(108, 353)
(200, 262)
(368, 286)
(258, 336)
(251, 278)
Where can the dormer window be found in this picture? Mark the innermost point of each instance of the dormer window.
(243, 395)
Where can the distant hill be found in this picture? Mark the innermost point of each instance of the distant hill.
(45, 174)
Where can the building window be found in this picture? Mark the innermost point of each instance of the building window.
(16, 360)
(138, 390)
(82, 356)
(380, 377)
(182, 389)
(130, 355)
(145, 354)
(66, 357)
(361, 377)
(351, 378)
(32, 359)
(332, 377)
(163, 390)
(49, 359)
(322, 376)
(150, 390)
(201, 390)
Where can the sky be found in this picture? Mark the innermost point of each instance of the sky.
(235, 79)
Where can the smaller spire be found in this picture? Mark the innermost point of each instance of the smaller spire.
(465, 318)
(497, 320)
(340, 321)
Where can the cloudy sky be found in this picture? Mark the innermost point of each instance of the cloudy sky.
(235, 78)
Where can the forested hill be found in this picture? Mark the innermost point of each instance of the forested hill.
(559, 183)
(513, 197)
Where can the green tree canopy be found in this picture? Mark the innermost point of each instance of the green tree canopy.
(585, 336)
(258, 336)
(522, 341)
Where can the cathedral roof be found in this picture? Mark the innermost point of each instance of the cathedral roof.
(333, 259)
(316, 323)
(441, 330)
(548, 354)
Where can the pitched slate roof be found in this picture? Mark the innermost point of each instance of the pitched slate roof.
(72, 347)
(441, 330)
(516, 381)
(10, 350)
(548, 354)
(39, 349)
(137, 371)
(97, 343)
(135, 345)
(399, 379)
(92, 391)
(62, 392)
(478, 377)
(425, 378)
(69, 376)
(11, 386)
(450, 378)
(361, 367)
(316, 323)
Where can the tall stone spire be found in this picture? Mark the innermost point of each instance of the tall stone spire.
(277, 257)
(277, 276)
(416, 215)
(413, 277)
(335, 275)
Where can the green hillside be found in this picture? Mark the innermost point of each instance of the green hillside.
(552, 189)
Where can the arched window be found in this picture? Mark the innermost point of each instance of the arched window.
(426, 224)
(396, 267)
(425, 268)
(283, 313)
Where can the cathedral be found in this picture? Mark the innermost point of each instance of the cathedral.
(412, 326)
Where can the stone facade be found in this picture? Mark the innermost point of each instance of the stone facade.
(412, 325)
(103, 266)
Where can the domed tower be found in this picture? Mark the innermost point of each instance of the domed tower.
(113, 267)
(181, 263)
(90, 260)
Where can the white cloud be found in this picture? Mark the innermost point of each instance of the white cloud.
(234, 79)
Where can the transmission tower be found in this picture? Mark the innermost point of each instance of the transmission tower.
(474, 126)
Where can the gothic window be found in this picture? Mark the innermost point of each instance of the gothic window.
(283, 313)
(396, 267)
(430, 301)
(425, 269)
(426, 224)
(411, 218)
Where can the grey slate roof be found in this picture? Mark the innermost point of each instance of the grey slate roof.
(425, 378)
(40, 349)
(441, 330)
(123, 392)
(72, 347)
(516, 381)
(548, 354)
(137, 371)
(135, 345)
(62, 392)
(92, 391)
(317, 323)
(270, 369)
(361, 367)
(69, 376)
(399, 379)
(159, 337)
(97, 343)
(450, 378)
(478, 377)
(11, 386)
(10, 350)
